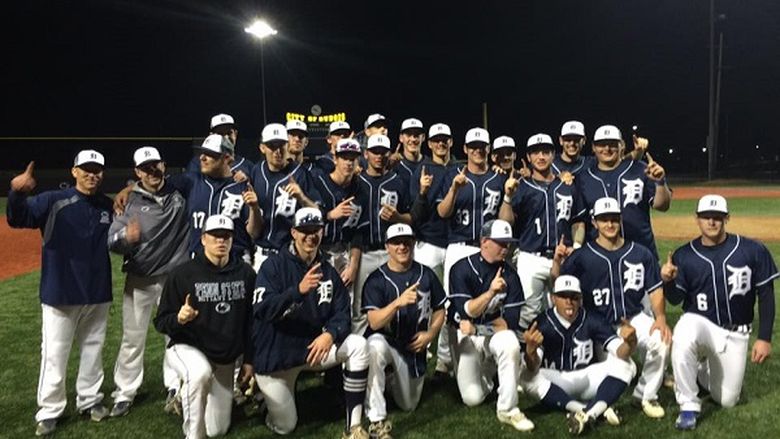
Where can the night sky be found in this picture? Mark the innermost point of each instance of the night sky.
(162, 68)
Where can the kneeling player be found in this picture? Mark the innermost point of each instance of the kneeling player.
(717, 277)
(205, 309)
(302, 322)
(486, 297)
(405, 305)
(561, 340)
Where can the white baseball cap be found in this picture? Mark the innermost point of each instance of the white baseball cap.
(606, 206)
(338, 126)
(146, 154)
(712, 203)
(439, 129)
(475, 135)
(412, 124)
(573, 128)
(497, 230)
(540, 139)
(567, 284)
(308, 217)
(274, 131)
(89, 156)
(218, 222)
(372, 119)
(607, 132)
(503, 142)
(221, 119)
(400, 229)
(348, 145)
(378, 141)
(296, 125)
(217, 144)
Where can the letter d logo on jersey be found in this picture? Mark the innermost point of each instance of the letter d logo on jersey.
(582, 352)
(739, 280)
(325, 291)
(232, 204)
(388, 197)
(632, 191)
(563, 207)
(633, 277)
(491, 202)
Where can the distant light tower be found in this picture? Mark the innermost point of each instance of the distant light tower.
(261, 30)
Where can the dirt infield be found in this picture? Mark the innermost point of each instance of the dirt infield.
(696, 192)
(20, 251)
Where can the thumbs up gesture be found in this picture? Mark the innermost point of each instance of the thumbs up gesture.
(668, 270)
(628, 333)
(187, 312)
(498, 284)
(24, 182)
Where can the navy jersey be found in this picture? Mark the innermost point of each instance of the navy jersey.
(629, 185)
(614, 282)
(277, 205)
(239, 164)
(286, 321)
(720, 282)
(582, 163)
(323, 164)
(75, 268)
(383, 286)
(373, 192)
(572, 348)
(406, 169)
(332, 194)
(476, 203)
(208, 196)
(544, 213)
(432, 229)
(470, 277)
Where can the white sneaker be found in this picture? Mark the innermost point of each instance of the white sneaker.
(653, 409)
(516, 419)
(611, 416)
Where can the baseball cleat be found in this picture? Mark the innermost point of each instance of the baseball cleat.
(380, 430)
(669, 380)
(686, 420)
(516, 419)
(173, 403)
(611, 416)
(121, 408)
(356, 432)
(577, 422)
(653, 409)
(97, 412)
(45, 427)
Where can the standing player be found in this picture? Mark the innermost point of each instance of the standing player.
(282, 188)
(411, 140)
(541, 208)
(206, 310)
(75, 288)
(503, 154)
(225, 125)
(404, 301)
(616, 275)
(717, 277)
(486, 297)
(152, 235)
(561, 368)
(635, 185)
(571, 160)
(297, 140)
(336, 131)
(302, 322)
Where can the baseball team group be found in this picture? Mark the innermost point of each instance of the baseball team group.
(526, 268)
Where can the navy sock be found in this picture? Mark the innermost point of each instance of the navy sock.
(609, 391)
(556, 398)
(354, 395)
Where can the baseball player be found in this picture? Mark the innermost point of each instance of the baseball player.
(225, 125)
(384, 199)
(571, 160)
(503, 154)
(635, 185)
(561, 368)
(542, 209)
(336, 131)
(486, 296)
(616, 275)
(282, 188)
(404, 301)
(297, 141)
(75, 289)
(206, 310)
(302, 322)
(152, 235)
(374, 124)
(410, 140)
(717, 277)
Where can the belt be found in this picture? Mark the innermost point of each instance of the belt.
(744, 329)
(267, 251)
(549, 253)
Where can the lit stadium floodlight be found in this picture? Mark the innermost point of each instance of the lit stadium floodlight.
(260, 29)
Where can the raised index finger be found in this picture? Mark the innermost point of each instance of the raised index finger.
(669, 257)
(649, 158)
(29, 168)
(188, 300)
(314, 268)
(533, 326)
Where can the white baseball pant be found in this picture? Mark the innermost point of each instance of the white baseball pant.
(534, 273)
(279, 387)
(369, 261)
(338, 255)
(206, 391)
(141, 295)
(406, 390)
(453, 254)
(715, 355)
(478, 358)
(654, 351)
(60, 326)
(431, 256)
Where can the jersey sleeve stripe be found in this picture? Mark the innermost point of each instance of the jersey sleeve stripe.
(767, 280)
(654, 287)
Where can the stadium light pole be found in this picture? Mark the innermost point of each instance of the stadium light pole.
(260, 29)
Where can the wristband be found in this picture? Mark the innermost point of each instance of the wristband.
(576, 245)
(507, 199)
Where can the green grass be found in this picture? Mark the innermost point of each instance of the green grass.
(440, 414)
(738, 207)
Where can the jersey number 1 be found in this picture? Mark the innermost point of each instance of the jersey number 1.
(538, 223)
